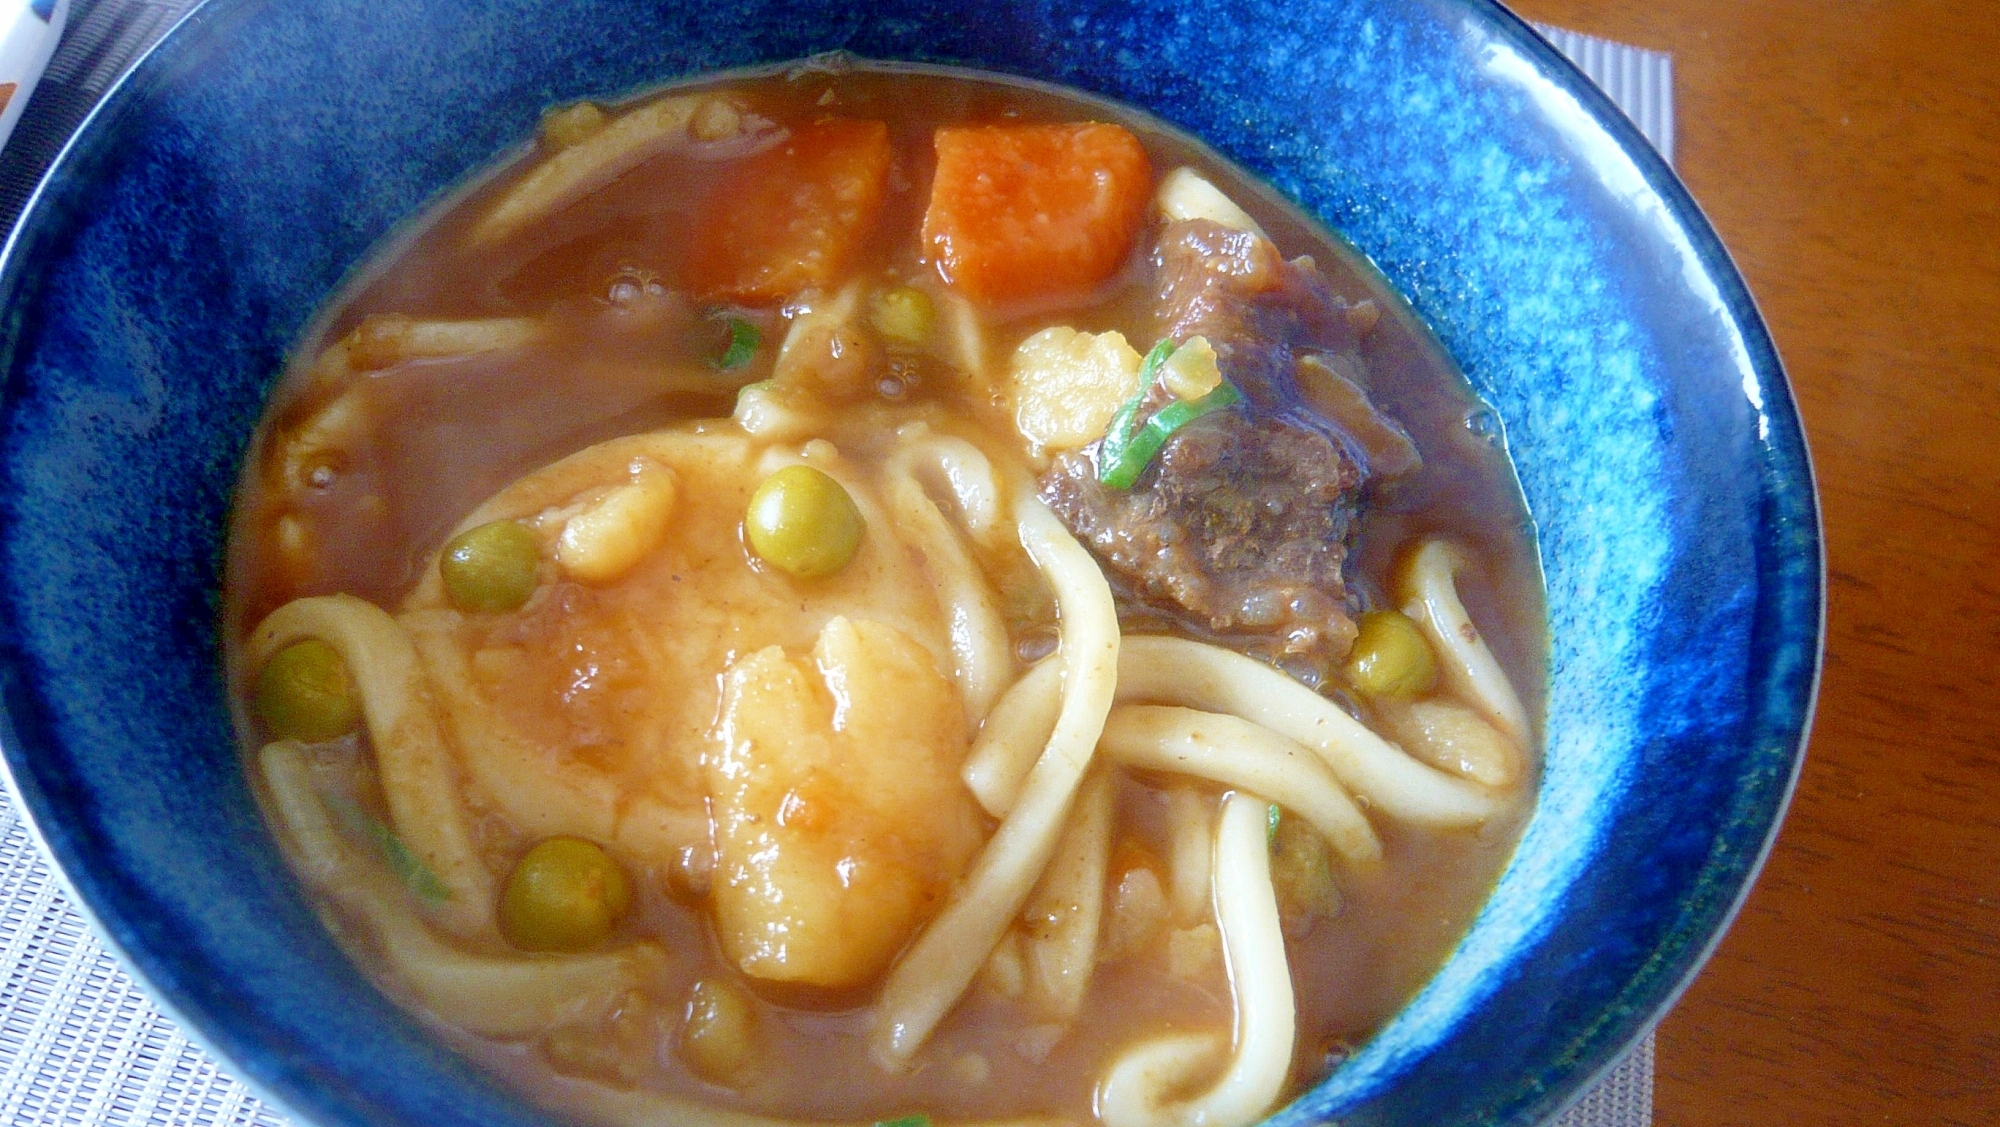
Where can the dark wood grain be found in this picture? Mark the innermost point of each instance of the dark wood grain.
(1849, 154)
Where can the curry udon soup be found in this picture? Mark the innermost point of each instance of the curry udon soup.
(859, 593)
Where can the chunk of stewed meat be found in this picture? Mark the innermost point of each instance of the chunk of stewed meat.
(1241, 525)
(1259, 311)
(1280, 335)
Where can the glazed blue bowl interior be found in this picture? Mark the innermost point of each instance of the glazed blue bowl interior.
(229, 184)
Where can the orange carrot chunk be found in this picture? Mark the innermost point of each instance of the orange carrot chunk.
(793, 216)
(1026, 212)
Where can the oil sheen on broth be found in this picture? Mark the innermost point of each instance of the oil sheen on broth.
(859, 592)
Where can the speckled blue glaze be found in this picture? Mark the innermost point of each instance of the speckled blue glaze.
(226, 187)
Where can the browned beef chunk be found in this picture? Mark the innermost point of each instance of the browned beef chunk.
(1259, 311)
(1241, 525)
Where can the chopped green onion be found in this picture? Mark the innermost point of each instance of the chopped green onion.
(1119, 435)
(1271, 824)
(1125, 423)
(905, 1121)
(1121, 468)
(1149, 368)
(408, 868)
(743, 341)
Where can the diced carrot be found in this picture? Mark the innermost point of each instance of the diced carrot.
(1024, 212)
(792, 217)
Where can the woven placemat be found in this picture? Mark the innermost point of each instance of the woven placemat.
(80, 1044)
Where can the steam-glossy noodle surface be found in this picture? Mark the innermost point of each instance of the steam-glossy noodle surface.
(970, 827)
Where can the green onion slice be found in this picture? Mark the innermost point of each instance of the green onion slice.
(409, 869)
(1125, 423)
(743, 341)
(1120, 468)
(905, 1121)
(1271, 824)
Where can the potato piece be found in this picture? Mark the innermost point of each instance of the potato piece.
(1030, 212)
(1186, 194)
(616, 531)
(1192, 371)
(793, 216)
(840, 820)
(1066, 385)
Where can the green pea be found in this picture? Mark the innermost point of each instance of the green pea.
(719, 1035)
(1302, 873)
(566, 894)
(304, 693)
(904, 315)
(1391, 658)
(492, 567)
(802, 522)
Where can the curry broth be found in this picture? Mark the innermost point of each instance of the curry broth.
(446, 434)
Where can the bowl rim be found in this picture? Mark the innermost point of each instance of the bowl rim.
(1782, 442)
(1786, 444)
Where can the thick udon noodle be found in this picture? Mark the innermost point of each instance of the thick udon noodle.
(1102, 702)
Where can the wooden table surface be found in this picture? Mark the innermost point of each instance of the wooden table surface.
(1849, 154)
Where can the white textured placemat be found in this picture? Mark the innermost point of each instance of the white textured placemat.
(80, 1044)
(1640, 81)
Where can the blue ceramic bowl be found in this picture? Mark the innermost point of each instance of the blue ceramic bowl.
(225, 188)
